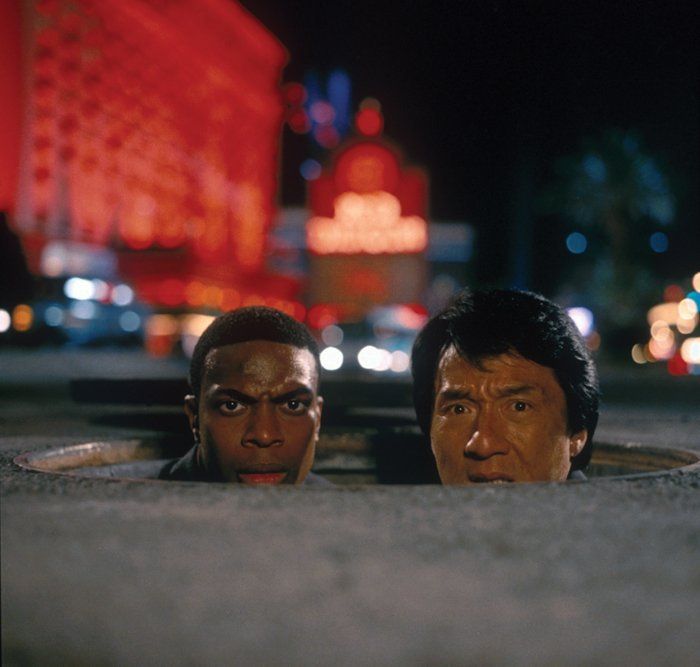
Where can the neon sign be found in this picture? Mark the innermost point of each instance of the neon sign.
(367, 223)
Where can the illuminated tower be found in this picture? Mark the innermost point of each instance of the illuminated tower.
(152, 127)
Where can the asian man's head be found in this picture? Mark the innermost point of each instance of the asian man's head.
(506, 389)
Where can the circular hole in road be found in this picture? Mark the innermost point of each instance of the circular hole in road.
(343, 458)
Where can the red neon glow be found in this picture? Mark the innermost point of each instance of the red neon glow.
(369, 122)
(154, 126)
(367, 167)
(294, 93)
(322, 316)
(367, 223)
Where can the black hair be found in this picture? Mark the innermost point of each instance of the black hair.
(486, 323)
(246, 324)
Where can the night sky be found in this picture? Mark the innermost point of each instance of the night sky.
(488, 95)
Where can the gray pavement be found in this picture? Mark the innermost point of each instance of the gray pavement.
(109, 572)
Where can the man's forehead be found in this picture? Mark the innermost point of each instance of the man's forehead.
(507, 367)
(260, 359)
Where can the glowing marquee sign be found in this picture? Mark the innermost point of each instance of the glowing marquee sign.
(367, 223)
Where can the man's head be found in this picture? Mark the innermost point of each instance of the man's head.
(254, 409)
(505, 388)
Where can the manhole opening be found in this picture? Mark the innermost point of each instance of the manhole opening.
(366, 457)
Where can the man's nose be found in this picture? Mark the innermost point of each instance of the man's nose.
(263, 428)
(487, 439)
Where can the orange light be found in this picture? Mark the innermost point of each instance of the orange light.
(194, 293)
(367, 224)
(22, 317)
(213, 296)
(231, 299)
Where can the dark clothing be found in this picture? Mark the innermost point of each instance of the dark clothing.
(577, 475)
(187, 469)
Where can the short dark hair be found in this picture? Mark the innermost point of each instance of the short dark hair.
(486, 323)
(246, 324)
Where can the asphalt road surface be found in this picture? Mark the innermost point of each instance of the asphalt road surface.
(111, 572)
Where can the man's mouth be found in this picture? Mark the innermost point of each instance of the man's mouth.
(490, 478)
(262, 475)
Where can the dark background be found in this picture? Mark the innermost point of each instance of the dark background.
(489, 95)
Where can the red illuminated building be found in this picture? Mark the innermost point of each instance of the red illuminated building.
(150, 127)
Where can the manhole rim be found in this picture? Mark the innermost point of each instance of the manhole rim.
(89, 453)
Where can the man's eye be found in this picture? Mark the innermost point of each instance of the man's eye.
(459, 409)
(295, 406)
(520, 406)
(231, 407)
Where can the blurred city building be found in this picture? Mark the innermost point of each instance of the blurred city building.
(141, 170)
(151, 128)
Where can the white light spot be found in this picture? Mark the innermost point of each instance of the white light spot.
(368, 357)
(79, 288)
(583, 319)
(690, 351)
(5, 320)
(331, 358)
(122, 295)
(383, 360)
(400, 361)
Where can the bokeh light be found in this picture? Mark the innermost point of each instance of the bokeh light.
(54, 316)
(129, 321)
(5, 320)
(400, 361)
(332, 335)
(122, 295)
(310, 169)
(79, 288)
(331, 358)
(576, 243)
(658, 242)
(690, 350)
(687, 309)
(22, 317)
(638, 355)
(583, 319)
(368, 357)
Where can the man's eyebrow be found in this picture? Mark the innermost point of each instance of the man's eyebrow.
(454, 395)
(517, 389)
(288, 396)
(250, 400)
(236, 395)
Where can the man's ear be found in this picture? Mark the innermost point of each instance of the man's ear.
(577, 442)
(319, 409)
(192, 415)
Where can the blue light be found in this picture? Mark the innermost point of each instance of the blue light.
(576, 243)
(310, 170)
(594, 168)
(53, 316)
(658, 242)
